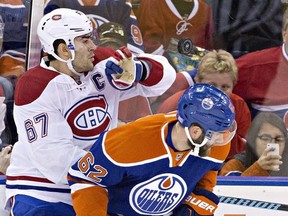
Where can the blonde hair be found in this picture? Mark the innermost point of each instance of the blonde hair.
(217, 61)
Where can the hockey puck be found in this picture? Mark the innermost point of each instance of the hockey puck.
(185, 46)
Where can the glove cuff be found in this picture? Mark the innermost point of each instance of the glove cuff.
(203, 202)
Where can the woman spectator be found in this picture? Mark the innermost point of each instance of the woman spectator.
(266, 127)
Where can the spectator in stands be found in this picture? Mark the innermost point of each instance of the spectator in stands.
(263, 78)
(266, 128)
(15, 16)
(9, 135)
(160, 21)
(5, 150)
(219, 68)
(104, 11)
(246, 26)
(12, 59)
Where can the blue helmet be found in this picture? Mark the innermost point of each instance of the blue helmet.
(207, 106)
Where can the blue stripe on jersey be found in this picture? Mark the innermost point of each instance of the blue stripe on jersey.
(29, 187)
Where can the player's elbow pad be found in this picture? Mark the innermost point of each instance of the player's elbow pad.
(203, 202)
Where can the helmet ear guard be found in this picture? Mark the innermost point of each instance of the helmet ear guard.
(212, 109)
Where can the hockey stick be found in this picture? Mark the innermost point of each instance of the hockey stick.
(253, 203)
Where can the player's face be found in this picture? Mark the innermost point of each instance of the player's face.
(84, 53)
(222, 81)
(269, 134)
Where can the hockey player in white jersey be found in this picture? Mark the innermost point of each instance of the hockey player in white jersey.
(62, 106)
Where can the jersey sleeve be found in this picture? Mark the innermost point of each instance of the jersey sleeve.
(233, 167)
(89, 177)
(208, 181)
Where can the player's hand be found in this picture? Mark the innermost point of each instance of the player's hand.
(5, 155)
(123, 70)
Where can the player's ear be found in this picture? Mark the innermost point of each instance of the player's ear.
(63, 51)
(195, 132)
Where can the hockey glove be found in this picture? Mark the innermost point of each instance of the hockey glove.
(201, 202)
(123, 70)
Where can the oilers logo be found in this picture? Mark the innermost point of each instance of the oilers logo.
(97, 20)
(207, 103)
(89, 117)
(159, 195)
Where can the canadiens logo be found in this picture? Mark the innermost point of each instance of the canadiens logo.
(158, 195)
(89, 117)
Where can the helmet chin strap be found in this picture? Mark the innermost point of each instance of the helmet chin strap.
(68, 62)
(196, 145)
(70, 66)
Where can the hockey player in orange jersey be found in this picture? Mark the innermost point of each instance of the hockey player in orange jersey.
(164, 164)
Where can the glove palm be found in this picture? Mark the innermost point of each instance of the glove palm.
(122, 70)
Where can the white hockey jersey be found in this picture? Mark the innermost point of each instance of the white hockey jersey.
(58, 119)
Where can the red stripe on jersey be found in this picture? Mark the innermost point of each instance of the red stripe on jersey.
(28, 178)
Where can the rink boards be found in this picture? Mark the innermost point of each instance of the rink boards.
(239, 196)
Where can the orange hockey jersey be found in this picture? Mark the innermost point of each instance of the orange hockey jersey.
(132, 170)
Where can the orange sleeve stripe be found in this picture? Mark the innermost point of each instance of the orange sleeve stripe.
(90, 201)
(69, 178)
